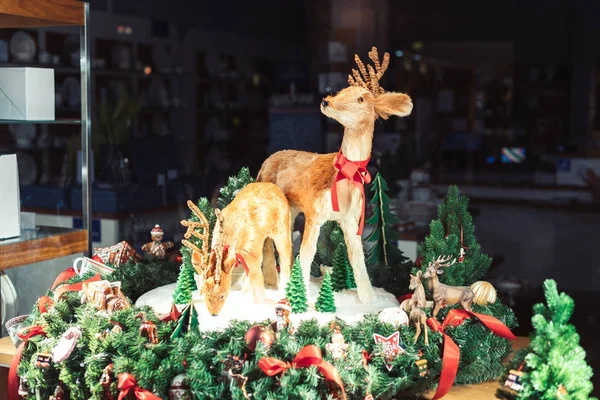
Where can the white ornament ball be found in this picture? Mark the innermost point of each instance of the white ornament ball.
(393, 315)
(179, 388)
(484, 293)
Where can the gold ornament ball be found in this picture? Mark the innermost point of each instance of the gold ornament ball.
(484, 293)
(259, 333)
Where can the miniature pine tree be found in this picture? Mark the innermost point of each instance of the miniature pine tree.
(384, 249)
(330, 237)
(326, 301)
(234, 184)
(554, 365)
(185, 285)
(350, 281)
(187, 322)
(296, 290)
(453, 223)
(341, 266)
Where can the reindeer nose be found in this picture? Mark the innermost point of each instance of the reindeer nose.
(324, 103)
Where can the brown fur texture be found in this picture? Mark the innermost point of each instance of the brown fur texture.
(306, 178)
(258, 214)
(445, 294)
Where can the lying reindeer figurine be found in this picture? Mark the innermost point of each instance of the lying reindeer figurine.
(445, 294)
(258, 213)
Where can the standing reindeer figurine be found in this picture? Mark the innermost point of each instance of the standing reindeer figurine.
(444, 294)
(329, 187)
(258, 213)
(417, 302)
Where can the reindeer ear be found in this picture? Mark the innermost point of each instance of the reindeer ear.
(230, 260)
(392, 103)
(440, 271)
(419, 273)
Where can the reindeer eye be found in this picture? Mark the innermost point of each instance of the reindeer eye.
(361, 99)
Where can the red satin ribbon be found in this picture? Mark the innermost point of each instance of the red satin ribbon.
(13, 379)
(75, 287)
(451, 353)
(240, 259)
(62, 277)
(357, 174)
(44, 303)
(128, 383)
(309, 355)
(404, 297)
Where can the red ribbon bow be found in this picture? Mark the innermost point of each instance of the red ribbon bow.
(46, 302)
(357, 174)
(451, 353)
(128, 383)
(309, 355)
(13, 379)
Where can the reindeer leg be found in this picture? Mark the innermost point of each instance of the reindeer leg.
(308, 248)
(437, 308)
(256, 278)
(418, 327)
(269, 267)
(283, 242)
(357, 260)
(426, 335)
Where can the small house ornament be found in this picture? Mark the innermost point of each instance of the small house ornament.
(514, 380)
(157, 247)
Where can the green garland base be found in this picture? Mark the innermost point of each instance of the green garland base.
(202, 356)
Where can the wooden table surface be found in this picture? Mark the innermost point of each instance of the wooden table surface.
(482, 391)
(47, 243)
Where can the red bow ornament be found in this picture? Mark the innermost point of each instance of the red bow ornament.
(128, 383)
(451, 353)
(309, 355)
(357, 174)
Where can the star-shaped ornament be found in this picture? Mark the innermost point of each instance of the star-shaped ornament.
(391, 347)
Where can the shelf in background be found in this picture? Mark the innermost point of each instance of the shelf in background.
(60, 121)
(46, 243)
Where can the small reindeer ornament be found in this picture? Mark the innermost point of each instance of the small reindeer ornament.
(445, 294)
(416, 303)
(245, 231)
(330, 187)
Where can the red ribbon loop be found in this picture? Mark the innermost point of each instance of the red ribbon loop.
(451, 353)
(357, 174)
(240, 259)
(309, 355)
(13, 379)
(63, 276)
(75, 287)
(128, 383)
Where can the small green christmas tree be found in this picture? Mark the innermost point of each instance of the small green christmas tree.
(185, 285)
(330, 237)
(449, 233)
(296, 290)
(554, 364)
(326, 301)
(350, 281)
(384, 250)
(188, 322)
(234, 184)
(341, 266)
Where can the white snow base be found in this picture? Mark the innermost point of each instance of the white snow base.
(240, 306)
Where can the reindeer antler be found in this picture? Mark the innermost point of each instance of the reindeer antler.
(370, 79)
(442, 262)
(219, 246)
(193, 230)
